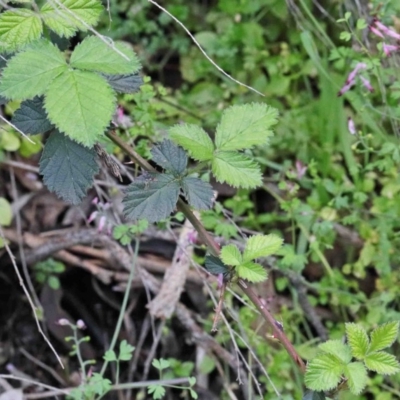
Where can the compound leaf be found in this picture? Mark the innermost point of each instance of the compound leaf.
(124, 83)
(358, 340)
(382, 363)
(198, 193)
(261, 246)
(215, 266)
(338, 349)
(31, 117)
(231, 255)
(384, 336)
(356, 375)
(252, 272)
(236, 169)
(153, 200)
(65, 17)
(81, 104)
(193, 139)
(18, 28)
(67, 167)
(93, 54)
(243, 126)
(29, 73)
(323, 373)
(170, 156)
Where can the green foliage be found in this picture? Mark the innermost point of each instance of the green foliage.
(125, 233)
(125, 352)
(5, 212)
(46, 272)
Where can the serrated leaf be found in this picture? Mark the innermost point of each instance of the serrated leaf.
(110, 355)
(199, 194)
(358, 340)
(215, 266)
(170, 157)
(236, 169)
(384, 336)
(153, 200)
(356, 375)
(65, 17)
(95, 55)
(193, 139)
(252, 272)
(129, 83)
(18, 28)
(338, 349)
(31, 117)
(67, 167)
(125, 351)
(29, 73)
(313, 395)
(382, 363)
(243, 126)
(157, 391)
(231, 255)
(323, 373)
(261, 246)
(81, 104)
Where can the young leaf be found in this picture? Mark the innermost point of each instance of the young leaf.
(193, 139)
(236, 169)
(80, 104)
(382, 363)
(252, 272)
(154, 200)
(65, 17)
(337, 349)
(29, 73)
(356, 375)
(95, 55)
(323, 373)
(243, 126)
(31, 117)
(358, 340)
(157, 391)
(215, 266)
(18, 28)
(313, 395)
(161, 364)
(261, 246)
(125, 351)
(110, 355)
(199, 194)
(384, 336)
(231, 255)
(67, 167)
(169, 156)
(124, 83)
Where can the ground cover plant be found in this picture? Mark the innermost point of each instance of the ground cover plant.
(256, 171)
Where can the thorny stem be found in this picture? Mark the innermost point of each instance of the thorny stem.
(214, 249)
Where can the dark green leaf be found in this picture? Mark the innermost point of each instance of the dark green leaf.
(124, 83)
(67, 167)
(170, 156)
(153, 200)
(313, 395)
(215, 266)
(198, 193)
(31, 117)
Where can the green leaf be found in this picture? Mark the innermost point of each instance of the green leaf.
(31, 117)
(45, 63)
(231, 255)
(53, 282)
(95, 55)
(154, 200)
(356, 375)
(193, 394)
(5, 212)
(125, 351)
(81, 104)
(243, 126)
(252, 272)
(261, 246)
(198, 193)
(236, 169)
(161, 364)
(70, 16)
(129, 83)
(323, 373)
(110, 356)
(67, 167)
(384, 336)
(18, 28)
(382, 363)
(193, 139)
(170, 157)
(157, 391)
(337, 349)
(358, 340)
(215, 266)
(192, 380)
(312, 395)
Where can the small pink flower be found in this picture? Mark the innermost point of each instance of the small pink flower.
(366, 83)
(376, 31)
(95, 200)
(102, 223)
(350, 126)
(386, 30)
(354, 73)
(346, 88)
(92, 216)
(388, 49)
(80, 324)
(63, 322)
(300, 169)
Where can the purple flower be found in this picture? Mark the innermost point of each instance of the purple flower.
(388, 49)
(386, 30)
(354, 73)
(376, 31)
(366, 83)
(346, 88)
(350, 126)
